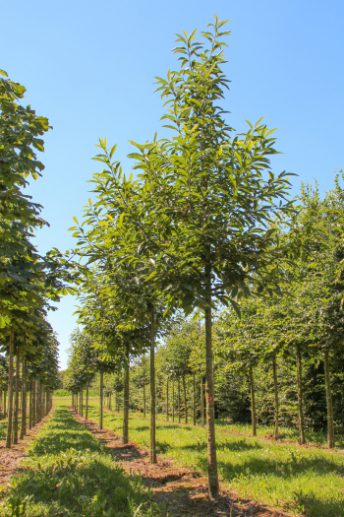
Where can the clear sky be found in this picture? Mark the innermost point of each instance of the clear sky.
(90, 66)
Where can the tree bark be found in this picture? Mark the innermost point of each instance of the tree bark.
(152, 395)
(30, 405)
(276, 398)
(300, 395)
(203, 416)
(101, 397)
(81, 403)
(167, 400)
(194, 399)
(10, 393)
(144, 400)
(23, 415)
(329, 401)
(185, 400)
(178, 399)
(86, 408)
(173, 401)
(253, 403)
(16, 400)
(125, 437)
(213, 481)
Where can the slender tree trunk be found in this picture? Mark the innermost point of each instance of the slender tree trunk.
(276, 398)
(194, 399)
(23, 415)
(178, 399)
(86, 408)
(185, 400)
(329, 401)
(253, 403)
(5, 405)
(34, 406)
(16, 400)
(144, 401)
(173, 400)
(81, 403)
(125, 437)
(300, 395)
(37, 401)
(101, 398)
(30, 405)
(167, 400)
(152, 395)
(213, 481)
(10, 393)
(203, 416)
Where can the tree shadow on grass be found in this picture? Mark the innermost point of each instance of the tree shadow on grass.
(142, 428)
(174, 426)
(235, 446)
(311, 506)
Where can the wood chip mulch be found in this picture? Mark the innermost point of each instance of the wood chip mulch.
(181, 491)
(10, 458)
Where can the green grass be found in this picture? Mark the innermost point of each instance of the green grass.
(3, 428)
(301, 480)
(69, 473)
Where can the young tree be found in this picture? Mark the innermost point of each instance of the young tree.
(211, 196)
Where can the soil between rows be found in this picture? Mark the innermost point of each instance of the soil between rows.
(182, 491)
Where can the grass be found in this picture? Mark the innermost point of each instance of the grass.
(301, 480)
(69, 473)
(3, 428)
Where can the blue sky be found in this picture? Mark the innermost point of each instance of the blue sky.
(90, 67)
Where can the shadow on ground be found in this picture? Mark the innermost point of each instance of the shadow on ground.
(58, 480)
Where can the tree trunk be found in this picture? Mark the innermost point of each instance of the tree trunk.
(16, 400)
(213, 481)
(253, 403)
(5, 405)
(23, 415)
(152, 395)
(81, 403)
(10, 393)
(329, 402)
(194, 399)
(144, 401)
(300, 396)
(38, 399)
(178, 399)
(276, 398)
(202, 401)
(125, 437)
(86, 408)
(167, 400)
(30, 405)
(185, 400)
(101, 397)
(173, 400)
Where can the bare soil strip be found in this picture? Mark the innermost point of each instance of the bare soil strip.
(182, 491)
(10, 458)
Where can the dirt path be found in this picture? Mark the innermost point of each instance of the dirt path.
(182, 491)
(10, 458)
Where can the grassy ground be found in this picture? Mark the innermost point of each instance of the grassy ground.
(3, 427)
(303, 480)
(69, 473)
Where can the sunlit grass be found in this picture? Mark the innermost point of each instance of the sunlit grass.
(303, 480)
(3, 427)
(69, 473)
